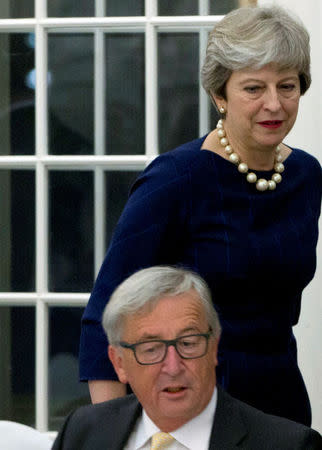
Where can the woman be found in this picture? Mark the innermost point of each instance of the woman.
(239, 207)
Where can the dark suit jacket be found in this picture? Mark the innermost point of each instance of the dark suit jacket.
(107, 426)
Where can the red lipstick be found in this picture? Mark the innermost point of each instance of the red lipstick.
(272, 124)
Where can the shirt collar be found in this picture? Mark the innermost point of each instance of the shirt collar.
(194, 434)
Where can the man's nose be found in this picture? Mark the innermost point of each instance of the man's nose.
(272, 100)
(172, 364)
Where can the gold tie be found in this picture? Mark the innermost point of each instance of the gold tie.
(161, 440)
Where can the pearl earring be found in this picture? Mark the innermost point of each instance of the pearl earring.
(222, 110)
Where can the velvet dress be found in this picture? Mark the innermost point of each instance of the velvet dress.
(256, 250)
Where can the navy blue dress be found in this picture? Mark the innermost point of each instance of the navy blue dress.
(256, 250)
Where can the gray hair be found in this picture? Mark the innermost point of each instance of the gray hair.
(252, 37)
(142, 290)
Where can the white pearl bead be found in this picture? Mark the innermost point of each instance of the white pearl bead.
(277, 177)
(251, 177)
(234, 158)
(271, 185)
(262, 184)
(243, 168)
(279, 167)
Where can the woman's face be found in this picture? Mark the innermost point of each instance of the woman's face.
(261, 105)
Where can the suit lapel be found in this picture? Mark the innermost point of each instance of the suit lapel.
(228, 430)
(121, 424)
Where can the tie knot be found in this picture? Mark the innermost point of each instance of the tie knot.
(161, 440)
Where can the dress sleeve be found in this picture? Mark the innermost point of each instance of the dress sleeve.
(150, 231)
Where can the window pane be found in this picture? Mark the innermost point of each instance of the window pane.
(124, 8)
(71, 231)
(70, 8)
(17, 230)
(178, 7)
(70, 93)
(16, 9)
(117, 185)
(224, 6)
(17, 94)
(125, 112)
(17, 364)
(65, 391)
(178, 89)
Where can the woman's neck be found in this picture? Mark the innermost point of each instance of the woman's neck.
(255, 156)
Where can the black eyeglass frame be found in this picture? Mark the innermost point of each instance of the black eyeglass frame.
(168, 343)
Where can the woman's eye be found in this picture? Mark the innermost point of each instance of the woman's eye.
(252, 89)
(288, 87)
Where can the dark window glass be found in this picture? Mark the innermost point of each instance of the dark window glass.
(125, 8)
(125, 111)
(17, 230)
(117, 185)
(16, 9)
(223, 6)
(70, 93)
(178, 88)
(70, 8)
(17, 364)
(65, 391)
(17, 94)
(71, 231)
(177, 8)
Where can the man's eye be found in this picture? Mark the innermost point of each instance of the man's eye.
(191, 342)
(150, 348)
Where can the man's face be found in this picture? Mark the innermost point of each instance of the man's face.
(176, 390)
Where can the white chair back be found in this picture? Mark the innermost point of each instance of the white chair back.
(16, 436)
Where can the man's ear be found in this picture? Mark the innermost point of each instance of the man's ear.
(215, 350)
(116, 357)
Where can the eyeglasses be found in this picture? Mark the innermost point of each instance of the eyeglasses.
(155, 351)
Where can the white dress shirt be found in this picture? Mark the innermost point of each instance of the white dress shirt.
(193, 435)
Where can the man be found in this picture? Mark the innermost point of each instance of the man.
(163, 333)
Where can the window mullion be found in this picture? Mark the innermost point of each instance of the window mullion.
(204, 110)
(100, 139)
(41, 220)
(151, 82)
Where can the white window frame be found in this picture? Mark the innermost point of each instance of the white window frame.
(42, 162)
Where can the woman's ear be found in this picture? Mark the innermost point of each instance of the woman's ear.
(219, 102)
(116, 357)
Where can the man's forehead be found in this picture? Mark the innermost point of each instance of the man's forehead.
(180, 313)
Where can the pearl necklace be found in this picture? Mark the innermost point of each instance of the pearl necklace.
(262, 184)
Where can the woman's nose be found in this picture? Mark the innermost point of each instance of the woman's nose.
(272, 101)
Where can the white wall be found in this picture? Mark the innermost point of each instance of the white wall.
(307, 134)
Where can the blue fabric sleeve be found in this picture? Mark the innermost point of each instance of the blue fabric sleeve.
(148, 233)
